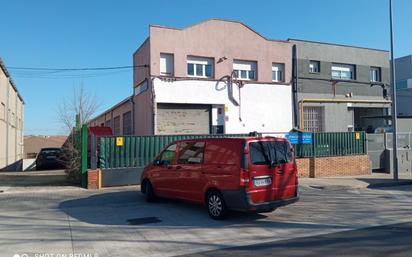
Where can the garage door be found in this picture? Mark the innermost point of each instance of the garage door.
(183, 119)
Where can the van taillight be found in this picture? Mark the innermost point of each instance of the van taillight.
(244, 177)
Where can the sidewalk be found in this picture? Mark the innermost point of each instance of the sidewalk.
(375, 180)
(34, 180)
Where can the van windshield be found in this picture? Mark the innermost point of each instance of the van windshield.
(270, 152)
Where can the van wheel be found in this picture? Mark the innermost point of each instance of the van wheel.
(216, 205)
(149, 194)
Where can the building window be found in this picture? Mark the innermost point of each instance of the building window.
(108, 123)
(313, 118)
(166, 64)
(343, 71)
(200, 67)
(278, 71)
(244, 70)
(116, 125)
(314, 66)
(127, 123)
(375, 74)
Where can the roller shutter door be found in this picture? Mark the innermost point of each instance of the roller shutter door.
(183, 119)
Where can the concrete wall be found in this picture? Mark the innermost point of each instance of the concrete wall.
(404, 102)
(403, 68)
(11, 122)
(404, 124)
(215, 39)
(264, 107)
(319, 85)
(144, 107)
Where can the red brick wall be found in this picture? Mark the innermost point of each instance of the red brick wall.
(93, 179)
(333, 166)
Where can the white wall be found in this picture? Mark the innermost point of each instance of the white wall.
(264, 107)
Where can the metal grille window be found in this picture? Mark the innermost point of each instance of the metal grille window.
(127, 123)
(314, 118)
(116, 125)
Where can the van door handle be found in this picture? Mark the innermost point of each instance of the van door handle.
(178, 167)
(281, 171)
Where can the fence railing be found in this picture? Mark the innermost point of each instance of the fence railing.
(138, 151)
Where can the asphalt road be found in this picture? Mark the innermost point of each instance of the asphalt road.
(391, 240)
(71, 221)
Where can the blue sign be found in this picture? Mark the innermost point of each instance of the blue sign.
(297, 138)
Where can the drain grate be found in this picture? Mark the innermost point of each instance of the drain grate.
(145, 220)
(317, 187)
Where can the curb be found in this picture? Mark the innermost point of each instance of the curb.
(390, 184)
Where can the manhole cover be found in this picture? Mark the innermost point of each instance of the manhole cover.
(145, 220)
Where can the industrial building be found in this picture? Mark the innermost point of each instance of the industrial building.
(340, 88)
(11, 122)
(186, 81)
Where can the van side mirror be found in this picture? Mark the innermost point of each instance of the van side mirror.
(157, 162)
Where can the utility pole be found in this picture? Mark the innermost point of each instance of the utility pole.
(394, 111)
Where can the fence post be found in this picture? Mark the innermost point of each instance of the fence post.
(84, 143)
(93, 152)
(102, 155)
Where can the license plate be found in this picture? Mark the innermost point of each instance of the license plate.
(51, 157)
(262, 181)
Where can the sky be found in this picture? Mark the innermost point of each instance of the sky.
(106, 33)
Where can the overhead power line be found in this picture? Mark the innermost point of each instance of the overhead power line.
(78, 69)
(69, 73)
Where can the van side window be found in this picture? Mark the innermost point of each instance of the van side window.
(191, 152)
(168, 155)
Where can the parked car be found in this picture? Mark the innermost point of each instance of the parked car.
(255, 174)
(49, 158)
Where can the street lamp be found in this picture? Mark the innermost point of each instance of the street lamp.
(394, 111)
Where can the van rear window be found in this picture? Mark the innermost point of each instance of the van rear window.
(270, 152)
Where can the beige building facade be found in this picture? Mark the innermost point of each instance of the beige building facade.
(11, 122)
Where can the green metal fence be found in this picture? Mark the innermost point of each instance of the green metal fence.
(333, 144)
(137, 151)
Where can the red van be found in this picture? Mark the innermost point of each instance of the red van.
(245, 174)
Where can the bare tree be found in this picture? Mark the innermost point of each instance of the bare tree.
(80, 106)
(80, 103)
